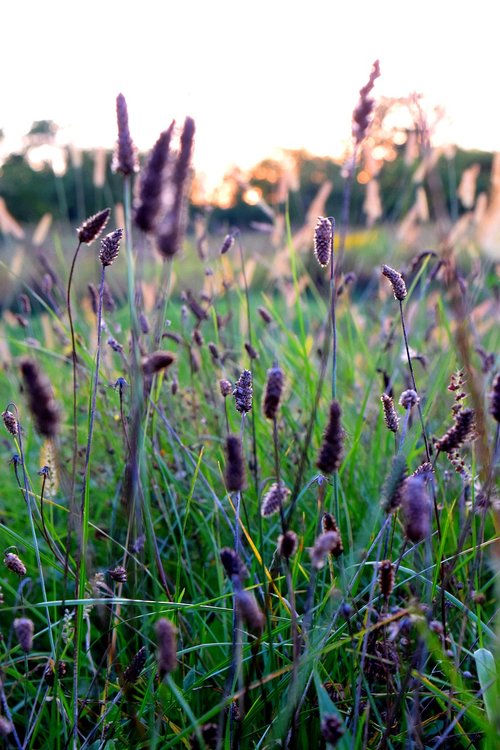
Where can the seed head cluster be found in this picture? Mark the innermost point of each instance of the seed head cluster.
(41, 399)
(157, 361)
(93, 226)
(235, 466)
(10, 422)
(323, 241)
(386, 578)
(110, 246)
(274, 499)
(390, 416)
(397, 282)
(409, 399)
(166, 635)
(288, 544)
(24, 630)
(14, 563)
(461, 431)
(273, 393)
(362, 112)
(149, 199)
(495, 398)
(134, 669)
(125, 156)
(243, 392)
(331, 452)
(325, 544)
(416, 509)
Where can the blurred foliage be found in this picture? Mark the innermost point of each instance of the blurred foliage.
(32, 188)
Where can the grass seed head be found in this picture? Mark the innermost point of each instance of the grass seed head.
(232, 564)
(149, 198)
(226, 387)
(93, 226)
(332, 448)
(361, 117)
(6, 726)
(41, 400)
(386, 578)
(157, 361)
(125, 156)
(166, 635)
(325, 544)
(14, 563)
(495, 398)
(273, 393)
(110, 245)
(24, 629)
(416, 509)
(332, 729)
(328, 523)
(392, 493)
(227, 244)
(249, 610)
(461, 432)
(323, 241)
(390, 416)
(288, 544)
(409, 399)
(243, 392)
(265, 315)
(134, 669)
(235, 466)
(397, 282)
(274, 499)
(10, 422)
(171, 230)
(118, 574)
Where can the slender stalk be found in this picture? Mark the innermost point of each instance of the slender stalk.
(74, 365)
(412, 375)
(84, 521)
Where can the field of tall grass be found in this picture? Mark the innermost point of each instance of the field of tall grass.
(249, 500)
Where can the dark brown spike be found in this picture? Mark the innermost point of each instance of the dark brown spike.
(166, 634)
(125, 156)
(416, 509)
(288, 544)
(243, 391)
(274, 499)
(461, 432)
(110, 246)
(235, 467)
(495, 398)
(134, 669)
(157, 361)
(274, 390)
(41, 400)
(397, 282)
(24, 629)
(323, 241)
(331, 452)
(148, 203)
(93, 226)
(390, 416)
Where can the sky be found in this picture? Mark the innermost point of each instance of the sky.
(257, 76)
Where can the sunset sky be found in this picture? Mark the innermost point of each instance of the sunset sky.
(256, 76)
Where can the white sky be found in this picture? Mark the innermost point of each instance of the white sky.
(255, 74)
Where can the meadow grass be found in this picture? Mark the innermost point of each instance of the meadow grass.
(170, 606)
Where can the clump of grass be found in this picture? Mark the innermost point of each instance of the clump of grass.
(329, 613)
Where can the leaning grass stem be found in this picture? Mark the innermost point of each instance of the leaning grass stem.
(74, 363)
